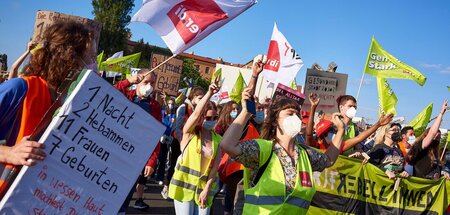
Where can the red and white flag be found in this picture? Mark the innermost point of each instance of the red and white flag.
(181, 24)
(283, 62)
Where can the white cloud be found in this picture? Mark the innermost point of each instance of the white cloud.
(431, 66)
(437, 67)
(446, 70)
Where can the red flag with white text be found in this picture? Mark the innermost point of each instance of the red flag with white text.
(181, 24)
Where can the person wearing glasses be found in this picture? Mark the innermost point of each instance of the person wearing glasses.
(194, 179)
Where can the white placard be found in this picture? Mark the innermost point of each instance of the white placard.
(96, 147)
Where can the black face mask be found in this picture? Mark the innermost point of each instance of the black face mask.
(396, 137)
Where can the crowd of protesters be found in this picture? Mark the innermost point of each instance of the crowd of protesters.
(207, 146)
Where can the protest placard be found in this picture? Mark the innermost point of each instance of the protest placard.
(328, 86)
(289, 93)
(168, 74)
(96, 145)
(46, 18)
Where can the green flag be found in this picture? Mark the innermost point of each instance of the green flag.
(99, 59)
(217, 73)
(294, 84)
(420, 122)
(381, 64)
(236, 92)
(121, 64)
(386, 97)
(448, 88)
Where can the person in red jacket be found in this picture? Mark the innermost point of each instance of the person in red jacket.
(142, 97)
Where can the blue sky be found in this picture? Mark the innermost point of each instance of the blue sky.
(416, 32)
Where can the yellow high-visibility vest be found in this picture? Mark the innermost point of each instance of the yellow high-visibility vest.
(188, 181)
(269, 196)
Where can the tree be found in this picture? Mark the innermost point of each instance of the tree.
(190, 71)
(114, 16)
(4, 62)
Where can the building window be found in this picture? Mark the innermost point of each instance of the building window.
(207, 70)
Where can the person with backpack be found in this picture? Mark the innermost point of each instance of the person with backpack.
(278, 175)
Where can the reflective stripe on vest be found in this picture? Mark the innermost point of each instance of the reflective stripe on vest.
(269, 195)
(276, 200)
(188, 181)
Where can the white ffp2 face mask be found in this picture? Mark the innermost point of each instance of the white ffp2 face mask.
(291, 125)
(411, 140)
(351, 112)
(146, 90)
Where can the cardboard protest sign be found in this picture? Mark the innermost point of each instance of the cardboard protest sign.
(46, 18)
(328, 86)
(96, 146)
(168, 74)
(289, 93)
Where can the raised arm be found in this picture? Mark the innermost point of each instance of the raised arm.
(314, 101)
(230, 140)
(13, 72)
(333, 150)
(257, 69)
(435, 127)
(191, 122)
(384, 120)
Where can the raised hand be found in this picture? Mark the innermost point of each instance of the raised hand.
(385, 119)
(444, 107)
(245, 96)
(135, 79)
(258, 67)
(337, 121)
(314, 99)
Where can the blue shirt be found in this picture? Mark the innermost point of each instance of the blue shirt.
(143, 103)
(12, 94)
(167, 121)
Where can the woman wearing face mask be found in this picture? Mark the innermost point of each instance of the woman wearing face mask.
(387, 155)
(193, 182)
(276, 157)
(182, 114)
(425, 154)
(25, 100)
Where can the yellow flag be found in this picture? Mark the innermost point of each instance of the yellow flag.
(420, 122)
(236, 92)
(386, 97)
(121, 64)
(294, 84)
(381, 64)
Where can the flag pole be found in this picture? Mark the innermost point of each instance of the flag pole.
(445, 148)
(156, 67)
(360, 85)
(364, 71)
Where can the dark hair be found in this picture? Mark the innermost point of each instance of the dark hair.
(341, 100)
(406, 129)
(209, 106)
(65, 45)
(396, 124)
(271, 123)
(196, 91)
(225, 119)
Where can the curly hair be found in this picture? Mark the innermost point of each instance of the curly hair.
(65, 45)
(270, 125)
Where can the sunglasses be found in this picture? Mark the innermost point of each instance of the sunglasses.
(211, 118)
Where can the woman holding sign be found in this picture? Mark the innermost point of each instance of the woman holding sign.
(280, 168)
(193, 182)
(66, 47)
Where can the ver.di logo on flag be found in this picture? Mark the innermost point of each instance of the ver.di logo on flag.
(192, 16)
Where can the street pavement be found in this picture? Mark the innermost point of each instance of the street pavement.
(158, 205)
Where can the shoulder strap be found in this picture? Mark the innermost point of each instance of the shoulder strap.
(262, 169)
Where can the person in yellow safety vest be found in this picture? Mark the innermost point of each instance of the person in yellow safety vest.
(347, 107)
(194, 181)
(285, 184)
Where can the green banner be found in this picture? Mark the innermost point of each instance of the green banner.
(386, 97)
(239, 86)
(381, 64)
(420, 122)
(122, 64)
(348, 187)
